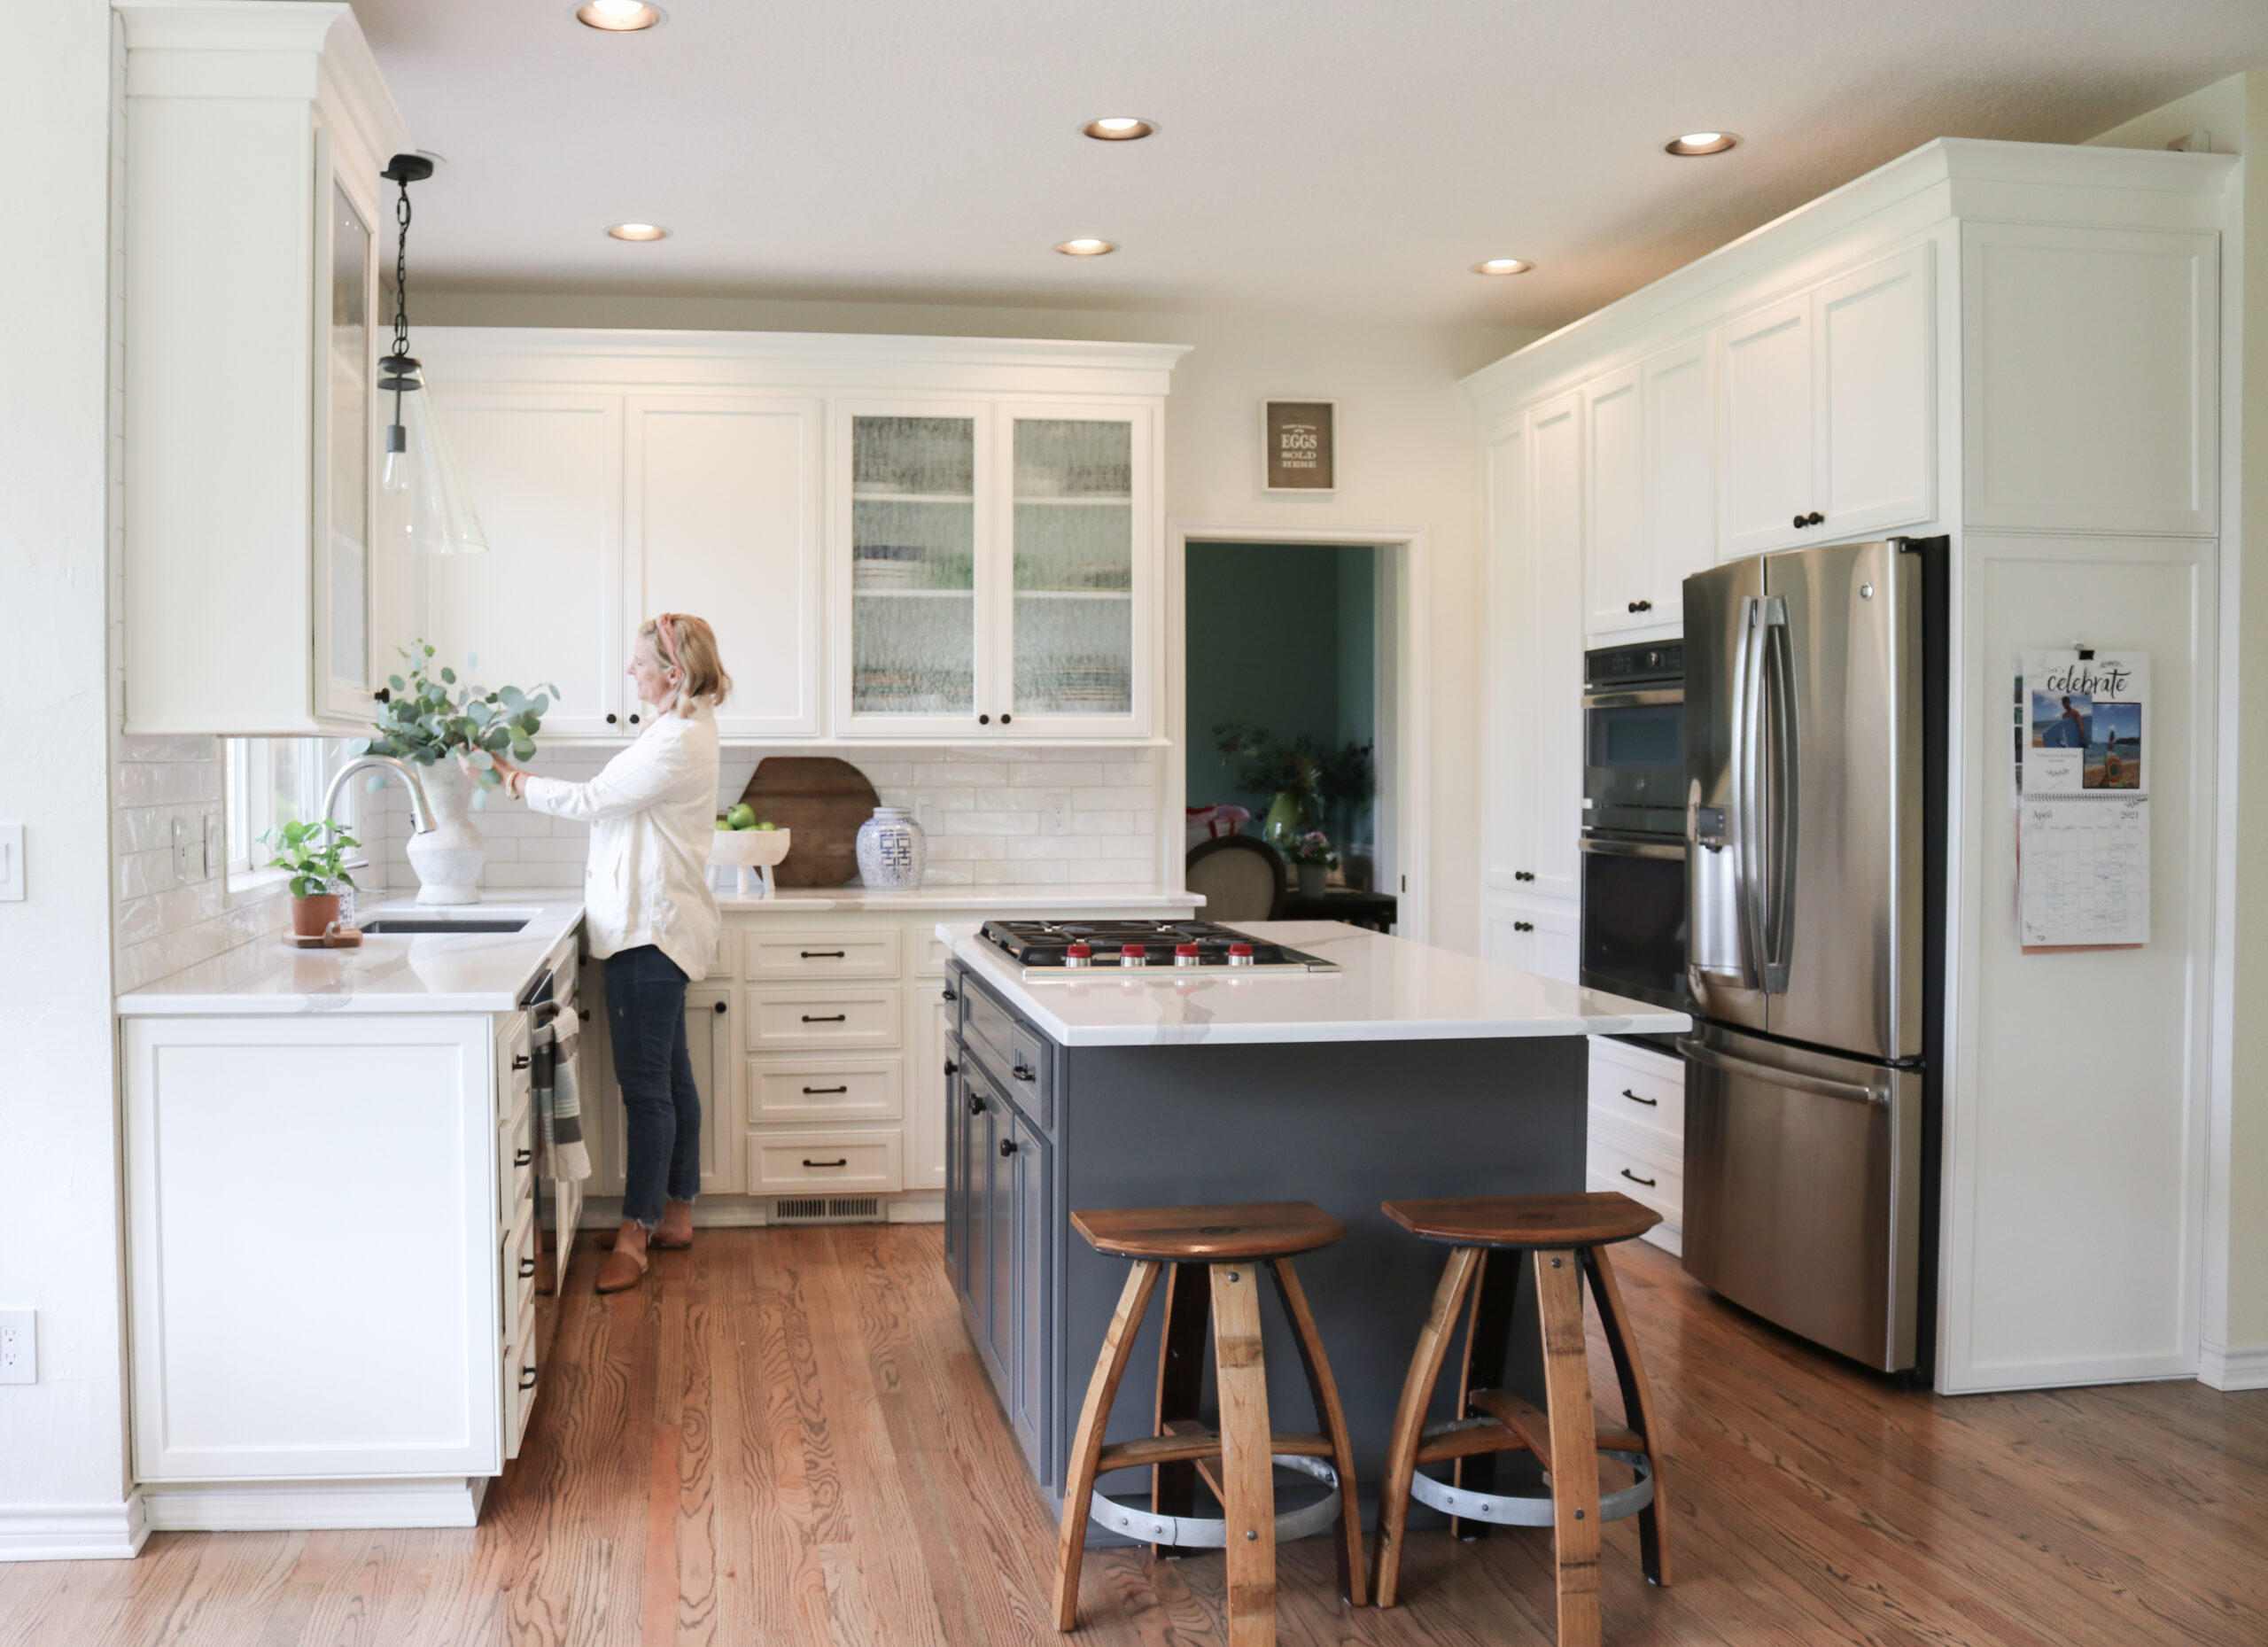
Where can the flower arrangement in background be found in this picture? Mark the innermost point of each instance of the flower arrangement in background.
(429, 717)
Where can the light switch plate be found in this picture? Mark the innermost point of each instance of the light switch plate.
(19, 1347)
(12, 863)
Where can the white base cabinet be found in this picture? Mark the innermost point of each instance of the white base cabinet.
(318, 1248)
(1637, 1132)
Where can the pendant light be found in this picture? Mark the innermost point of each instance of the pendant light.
(417, 460)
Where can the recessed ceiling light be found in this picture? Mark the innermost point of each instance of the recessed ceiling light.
(1701, 142)
(638, 232)
(1087, 248)
(1118, 128)
(619, 16)
(1503, 266)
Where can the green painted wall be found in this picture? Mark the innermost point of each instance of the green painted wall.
(1283, 636)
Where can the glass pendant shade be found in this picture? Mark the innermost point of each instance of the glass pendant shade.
(441, 521)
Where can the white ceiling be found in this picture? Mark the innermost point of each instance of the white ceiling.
(1326, 157)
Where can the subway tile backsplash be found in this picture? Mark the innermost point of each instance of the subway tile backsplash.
(167, 921)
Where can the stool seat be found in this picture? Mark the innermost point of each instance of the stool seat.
(1210, 1234)
(1570, 1220)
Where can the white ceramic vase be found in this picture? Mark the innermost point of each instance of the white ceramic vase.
(449, 856)
(893, 853)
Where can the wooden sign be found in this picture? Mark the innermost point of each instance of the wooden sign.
(1299, 446)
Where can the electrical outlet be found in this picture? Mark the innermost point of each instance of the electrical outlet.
(19, 1347)
(12, 863)
(1055, 812)
(181, 849)
(925, 813)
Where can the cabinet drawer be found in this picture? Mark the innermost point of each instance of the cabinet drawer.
(797, 957)
(720, 958)
(520, 1372)
(825, 1089)
(799, 1021)
(515, 1166)
(988, 1028)
(1641, 1095)
(514, 1079)
(834, 1162)
(1031, 1077)
(1634, 1164)
(519, 1264)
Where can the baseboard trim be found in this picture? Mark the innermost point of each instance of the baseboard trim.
(917, 1207)
(2244, 1368)
(308, 1506)
(73, 1531)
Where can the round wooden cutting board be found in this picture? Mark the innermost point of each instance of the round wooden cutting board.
(824, 801)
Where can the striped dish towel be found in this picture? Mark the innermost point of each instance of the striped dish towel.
(565, 1155)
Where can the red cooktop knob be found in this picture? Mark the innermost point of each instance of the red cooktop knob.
(1080, 950)
(1132, 949)
(1186, 955)
(1241, 955)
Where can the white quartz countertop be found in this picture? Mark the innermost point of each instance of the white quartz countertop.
(1387, 989)
(469, 972)
(989, 899)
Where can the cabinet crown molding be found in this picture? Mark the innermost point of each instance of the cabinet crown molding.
(1947, 177)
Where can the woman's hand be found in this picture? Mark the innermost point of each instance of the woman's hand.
(513, 776)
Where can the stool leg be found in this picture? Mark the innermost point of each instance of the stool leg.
(1181, 1382)
(1247, 1477)
(1574, 1443)
(1086, 1440)
(1409, 1420)
(1323, 1389)
(1637, 1410)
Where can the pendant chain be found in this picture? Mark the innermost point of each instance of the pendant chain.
(402, 273)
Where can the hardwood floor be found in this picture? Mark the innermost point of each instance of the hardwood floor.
(784, 1437)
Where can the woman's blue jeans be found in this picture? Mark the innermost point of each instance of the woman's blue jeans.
(645, 1012)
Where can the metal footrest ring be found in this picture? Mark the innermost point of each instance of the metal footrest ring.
(1207, 1532)
(1529, 1509)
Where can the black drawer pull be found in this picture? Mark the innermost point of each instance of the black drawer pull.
(975, 1105)
(821, 1091)
(843, 1163)
(947, 994)
(1814, 519)
(821, 954)
(1635, 1178)
(808, 1018)
(1642, 606)
(952, 1068)
(1634, 1098)
(1523, 926)
(1008, 1146)
(527, 1269)
(521, 1060)
(520, 1157)
(527, 1378)
(720, 1006)
(585, 1015)
(1023, 1073)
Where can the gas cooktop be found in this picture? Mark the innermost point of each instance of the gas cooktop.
(1066, 949)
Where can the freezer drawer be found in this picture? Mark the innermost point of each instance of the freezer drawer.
(1802, 1190)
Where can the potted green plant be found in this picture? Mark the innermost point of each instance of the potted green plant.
(315, 854)
(431, 717)
(1311, 856)
(1302, 775)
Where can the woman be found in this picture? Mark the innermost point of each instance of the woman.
(649, 914)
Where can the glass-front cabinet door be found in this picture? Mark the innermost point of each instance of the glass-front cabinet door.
(1079, 598)
(344, 442)
(917, 517)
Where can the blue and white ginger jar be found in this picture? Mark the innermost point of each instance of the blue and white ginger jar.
(893, 853)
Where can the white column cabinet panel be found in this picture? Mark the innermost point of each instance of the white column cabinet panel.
(1554, 782)
(722, 521)
(1680, 484)
(1875, 357)
(1765, 427)
(545, 602)
(1616, 569)
(2114, 334)
(1508, 820)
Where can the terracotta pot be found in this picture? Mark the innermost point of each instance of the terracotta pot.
(311, 917)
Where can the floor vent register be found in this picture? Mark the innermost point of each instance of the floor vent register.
(826, 1209)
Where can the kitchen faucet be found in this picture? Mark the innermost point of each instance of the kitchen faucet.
(420, 813)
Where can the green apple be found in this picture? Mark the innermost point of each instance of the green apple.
(767, 824)
(742, 817)
(722, 825)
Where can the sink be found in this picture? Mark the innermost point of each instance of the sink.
(381, 926)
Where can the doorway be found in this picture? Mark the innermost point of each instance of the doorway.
(1304, 636)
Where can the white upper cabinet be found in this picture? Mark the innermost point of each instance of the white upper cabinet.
(1652, 454)
(1553, 786)
(1000, 569)
(1827, 410)
(248, 472)
(722, 514)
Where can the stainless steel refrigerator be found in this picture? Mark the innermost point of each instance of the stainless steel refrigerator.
(1814, 738)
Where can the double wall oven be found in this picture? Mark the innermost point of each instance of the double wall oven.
(1634, 823)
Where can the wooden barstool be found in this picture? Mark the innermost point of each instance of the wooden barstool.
(1230, 1245)
(1564, 1235)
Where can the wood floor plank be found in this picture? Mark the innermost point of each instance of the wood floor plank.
(784, 1437)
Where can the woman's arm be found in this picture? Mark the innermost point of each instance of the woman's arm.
(632, 781)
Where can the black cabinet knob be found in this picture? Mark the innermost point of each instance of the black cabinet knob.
(633, 720)
(947, 994)
(1008, 1146)
(1523, 926)
(1798, 523)
(384, 695)
(1523, 875)
(984, 720)
(585, 1015)
(952, 1068)
(1024, 1073)
(720, 1006)
(1814, 519)
(1642, 606)
(975, 1105)
(1006, 717)
(610, 720)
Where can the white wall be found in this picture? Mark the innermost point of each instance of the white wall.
(63, 1486)
(1408, 455)
(2234, 114)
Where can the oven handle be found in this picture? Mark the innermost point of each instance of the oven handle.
(1673, 850)
(1651, 698)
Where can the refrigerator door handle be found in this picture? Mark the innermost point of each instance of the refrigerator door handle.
(1777, 767)
(1850, 1091)
(1750, 867)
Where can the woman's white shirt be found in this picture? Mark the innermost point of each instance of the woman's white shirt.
(652, 811)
